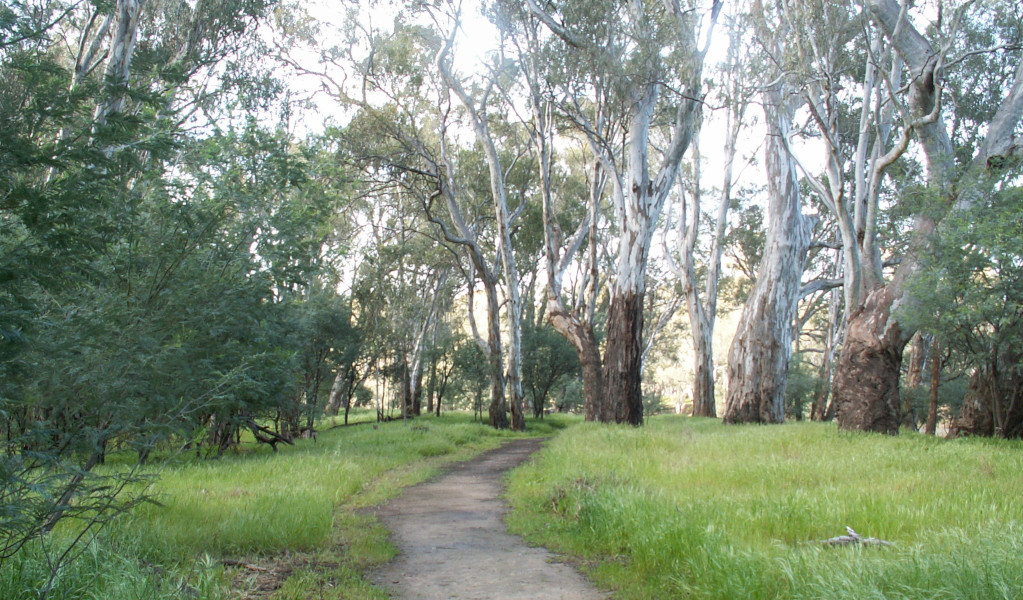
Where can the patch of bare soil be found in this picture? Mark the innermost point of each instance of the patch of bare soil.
(258, 580)
(453, 542)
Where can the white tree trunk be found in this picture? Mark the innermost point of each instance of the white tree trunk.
(866, 384)
(758, 361)
(415, 358)
(122, 46)
(504, 218)
(638, 196)
(575, 326)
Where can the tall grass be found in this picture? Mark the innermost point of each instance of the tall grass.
(256, 503)
(692, 509)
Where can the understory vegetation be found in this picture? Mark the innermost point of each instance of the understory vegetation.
(256, 521)
(686, 508)
(227, 226)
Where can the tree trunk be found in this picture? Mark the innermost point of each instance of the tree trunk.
(702, 314)
(498, 410)
(122, 47)
(703, 381)
(623, 402)
(334, 400)
(866, 381)
(581, 336)
(758, 360)
(417, 392)
(824, 410)
(503, 220)
(932, 397)
(914, 379)
(406, 390)
(431, 386)
(994, 402)
(915, 374)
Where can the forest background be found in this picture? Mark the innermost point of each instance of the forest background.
(574, 219)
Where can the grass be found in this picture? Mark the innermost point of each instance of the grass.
(681, 508)
(688, 508)
(291, 520)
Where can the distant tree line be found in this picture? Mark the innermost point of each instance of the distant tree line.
(187, 261)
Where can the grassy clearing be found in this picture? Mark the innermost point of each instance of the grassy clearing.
(686, 508)
(290, 519)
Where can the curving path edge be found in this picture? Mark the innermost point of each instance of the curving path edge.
(453, 542)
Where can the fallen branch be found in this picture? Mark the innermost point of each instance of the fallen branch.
(853, 538)
(266, 435)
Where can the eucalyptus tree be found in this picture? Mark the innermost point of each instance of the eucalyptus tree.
(478, 107)
(851, 77)
(643, 63)
(571, 312)
(735, 93)
(758, 360)
(828, 57)
(410, 103)
(867, 372)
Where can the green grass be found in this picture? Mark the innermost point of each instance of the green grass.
(295, 511)
(687, 508)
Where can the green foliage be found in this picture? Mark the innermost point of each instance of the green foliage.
(248, 505)
(968, 293)
(744, 243)
(150, 270)
(470, 378)
(687, 508)
(107, 567)
(802, 384)
(548, 361)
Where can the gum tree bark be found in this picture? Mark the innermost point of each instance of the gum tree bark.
(119, 55)
(460, 234)
(703, 311)
(574, 323)
(866, 383)
(504, 218)
(633, 65)
(758, 360)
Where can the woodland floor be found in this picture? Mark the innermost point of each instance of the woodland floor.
(453, 542)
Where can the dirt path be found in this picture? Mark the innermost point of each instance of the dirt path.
(453, 542)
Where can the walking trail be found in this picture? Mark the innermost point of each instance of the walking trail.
(453, 543)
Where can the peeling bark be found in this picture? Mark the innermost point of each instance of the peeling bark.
(758, 360)
(122, 47)
(576, 326)
(503, 220)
